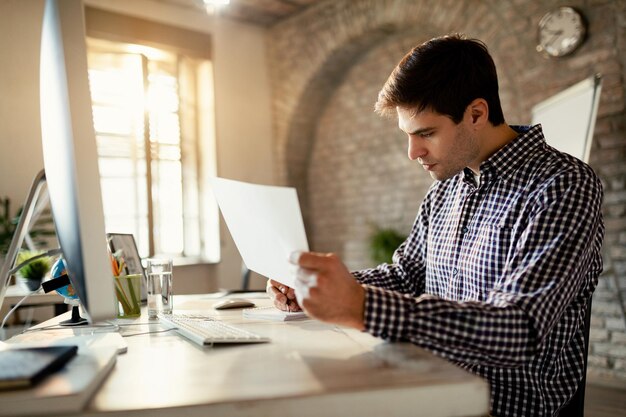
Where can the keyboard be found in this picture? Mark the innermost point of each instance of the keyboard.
(206, 331)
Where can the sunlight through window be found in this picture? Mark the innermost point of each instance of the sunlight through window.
(149, 170)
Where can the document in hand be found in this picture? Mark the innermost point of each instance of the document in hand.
(266, 224)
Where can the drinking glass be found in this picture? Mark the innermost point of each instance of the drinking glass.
(160, 295)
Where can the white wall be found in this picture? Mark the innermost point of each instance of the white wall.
(20, 129)
(243, 122)
(242, 101)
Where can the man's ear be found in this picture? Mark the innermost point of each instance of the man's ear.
(478, 112)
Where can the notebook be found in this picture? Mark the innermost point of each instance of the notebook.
(272, 313)
(25, 367)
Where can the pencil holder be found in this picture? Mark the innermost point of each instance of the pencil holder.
(128, 292)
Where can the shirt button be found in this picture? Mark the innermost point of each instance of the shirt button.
(465, 230)
(383, 335)
(455, 271)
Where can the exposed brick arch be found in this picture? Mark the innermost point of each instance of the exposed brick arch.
(311, 53)
(302, 126)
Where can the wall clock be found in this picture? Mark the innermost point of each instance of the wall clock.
(561, 31)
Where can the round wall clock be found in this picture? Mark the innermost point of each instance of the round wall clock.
(561, 31)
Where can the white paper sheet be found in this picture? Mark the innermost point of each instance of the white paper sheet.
(266, 225)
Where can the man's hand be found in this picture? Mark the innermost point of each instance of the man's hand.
(333, 294)
(284, 297)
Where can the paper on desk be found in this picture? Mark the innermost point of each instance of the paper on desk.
(266, 224)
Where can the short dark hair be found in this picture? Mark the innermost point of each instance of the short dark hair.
(445, 75)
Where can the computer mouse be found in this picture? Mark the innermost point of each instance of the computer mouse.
(233, 303)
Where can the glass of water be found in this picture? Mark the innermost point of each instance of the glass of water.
(160, 295)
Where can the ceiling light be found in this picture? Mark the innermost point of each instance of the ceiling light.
(216, 2)
(212, 6)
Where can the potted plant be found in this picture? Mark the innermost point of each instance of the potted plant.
(383, 243)
(32, 274)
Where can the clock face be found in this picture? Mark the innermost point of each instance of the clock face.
(561, 31)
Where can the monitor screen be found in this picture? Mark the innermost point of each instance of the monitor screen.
(70, 156)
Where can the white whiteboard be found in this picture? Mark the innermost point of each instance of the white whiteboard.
(569, 117)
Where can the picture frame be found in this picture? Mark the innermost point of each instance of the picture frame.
(126, 242)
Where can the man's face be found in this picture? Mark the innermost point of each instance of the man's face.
(442, 147)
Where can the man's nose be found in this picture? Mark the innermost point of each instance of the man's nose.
(416, 149)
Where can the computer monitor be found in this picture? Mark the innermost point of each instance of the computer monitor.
(70, 158)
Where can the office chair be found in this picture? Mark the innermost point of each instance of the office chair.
(245, 277)
(576, 406)
(245, 281)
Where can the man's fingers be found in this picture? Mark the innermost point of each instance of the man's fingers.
(281, 306)
(293, 306)
(273, 291)
(313, 260)
(306, 277)
(269, 288)
(284, 297)
(281, 287)
(277, 295)
(291, 294)
(274, 283)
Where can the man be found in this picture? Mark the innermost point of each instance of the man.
(498, 270)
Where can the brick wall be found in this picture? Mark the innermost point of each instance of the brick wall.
(350, 166)
(359, 175)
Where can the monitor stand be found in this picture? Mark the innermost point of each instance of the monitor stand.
(21, 231)
(76, 319)
(20, 234)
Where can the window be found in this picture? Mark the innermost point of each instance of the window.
(152, 112)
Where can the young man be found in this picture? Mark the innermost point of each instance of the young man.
(504, 255)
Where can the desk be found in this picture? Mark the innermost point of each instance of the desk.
(308, 369)
(15, 293)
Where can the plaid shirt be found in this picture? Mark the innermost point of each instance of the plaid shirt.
(497, 278)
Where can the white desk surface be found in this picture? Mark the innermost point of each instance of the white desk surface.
(308, 369)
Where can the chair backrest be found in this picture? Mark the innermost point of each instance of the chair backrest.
(576, 406)
(245, 277)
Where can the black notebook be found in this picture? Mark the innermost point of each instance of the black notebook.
(24, 367)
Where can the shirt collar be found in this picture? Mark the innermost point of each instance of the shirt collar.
(511, 156)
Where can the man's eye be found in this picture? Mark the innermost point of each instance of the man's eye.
(426, 135)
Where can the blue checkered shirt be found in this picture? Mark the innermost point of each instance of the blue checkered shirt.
(497, 278)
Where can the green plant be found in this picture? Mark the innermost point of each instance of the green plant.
(383, 243)
(36, 269)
